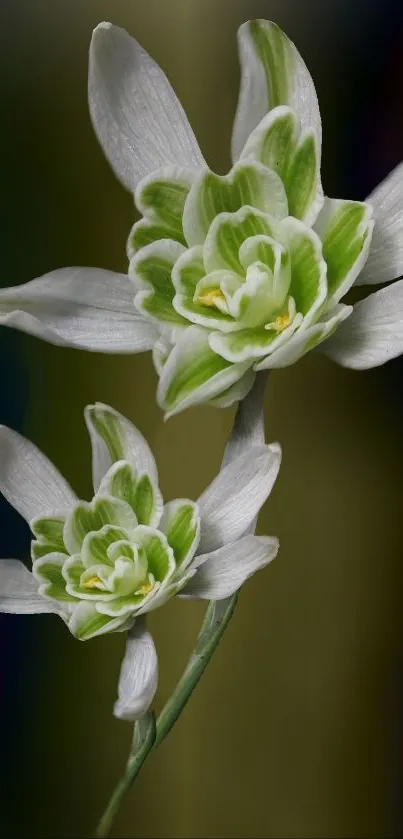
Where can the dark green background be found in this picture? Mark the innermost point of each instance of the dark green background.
(294, 730)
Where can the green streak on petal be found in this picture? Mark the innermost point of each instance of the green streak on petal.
(159, 308)
(188, 270)
(86, 518)
(73, 568)
(108, 427)
(192, 375)
(95, 546)
(342, 244)
(146, 233)
(166, 198)
(138, 493)
(227, 234)
(159, 554)
(307, 269)
(144, 500)
(91, 623)
(49, 535)
(279, 143)
(181, 526)
(244, 344)
(301, 177)
(276, 58)
(49, 572)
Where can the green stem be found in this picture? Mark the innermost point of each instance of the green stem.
(217, 617)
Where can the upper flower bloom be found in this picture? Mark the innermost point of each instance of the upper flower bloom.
(103, 564)
(229, 274)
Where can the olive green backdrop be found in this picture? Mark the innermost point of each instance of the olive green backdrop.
(293, 731)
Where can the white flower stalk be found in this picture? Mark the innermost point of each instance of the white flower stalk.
(102, 565)
(228, 274)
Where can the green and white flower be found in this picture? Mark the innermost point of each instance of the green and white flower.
(102, 565)
(228, 274)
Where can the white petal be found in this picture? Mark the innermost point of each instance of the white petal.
(373, 334)
(385, 260)
(29, 480)
(223, 571)
(113, 438)
(254, 96)
(231, 502)
(138, 118)
(138, 676)
(87, 308)
(19, 590)
(248, 427)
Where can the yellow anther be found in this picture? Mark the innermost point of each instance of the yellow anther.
(145, 589)
(209, 298)
(93, 582)
(281, 322)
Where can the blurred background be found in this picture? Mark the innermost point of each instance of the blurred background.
(296, 728)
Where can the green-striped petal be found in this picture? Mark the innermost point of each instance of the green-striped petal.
(279, 144)
(226, 235)
(145, 232)
(263, 249)
(151, 270)
(48, 572)
(194, 373)
(160, 556)
(94, 550)
(308, 269)
(86, 622)
(73, 569)
(181, 524)
(345, 228)
(92, 516)
(249, 344)
(161, 196)
(48, 534)
(139, 491)
(248, 183)
(273, 73)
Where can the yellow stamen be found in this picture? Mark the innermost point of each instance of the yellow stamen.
(93, 582)
(145, 589)
(209, 298)
(281, 322)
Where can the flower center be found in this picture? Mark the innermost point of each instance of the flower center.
(209, 298)
(94, 582)
(281, 322)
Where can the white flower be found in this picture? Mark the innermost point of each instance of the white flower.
(231, 274)
(102, 565)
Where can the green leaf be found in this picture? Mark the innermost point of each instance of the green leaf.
(248, 183)
(308, 269)
(345, 228)
(87, 517)
(48, 572)
(226, 235)
(181, 524)
(194, 373)
(160, 557)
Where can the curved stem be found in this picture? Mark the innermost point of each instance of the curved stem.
(217, 617)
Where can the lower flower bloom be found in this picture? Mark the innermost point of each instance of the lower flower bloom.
(102, 565)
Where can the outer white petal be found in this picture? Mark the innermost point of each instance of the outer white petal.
(113, 438)
(385, 260)
(87, 308)
(139, 674)
(138, 118)
(29, 480)
(254, 96)
(373, 334)
(19, 590)
(233, 499)
(223, 571)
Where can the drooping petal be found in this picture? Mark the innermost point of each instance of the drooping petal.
(345, 228)
(137, 117)
(194, 373)
(305, 340)
(114, 438)
(308, 268)
(248, 183)
(138, 678)
(19, 591)
(86, 622)
(279, 144)
(385, 259)
(29, 480)
(235, 496)
(373, 334)
(151, 270)
(272, 73)
(86, 308)
(180, 522)
(223, 571)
